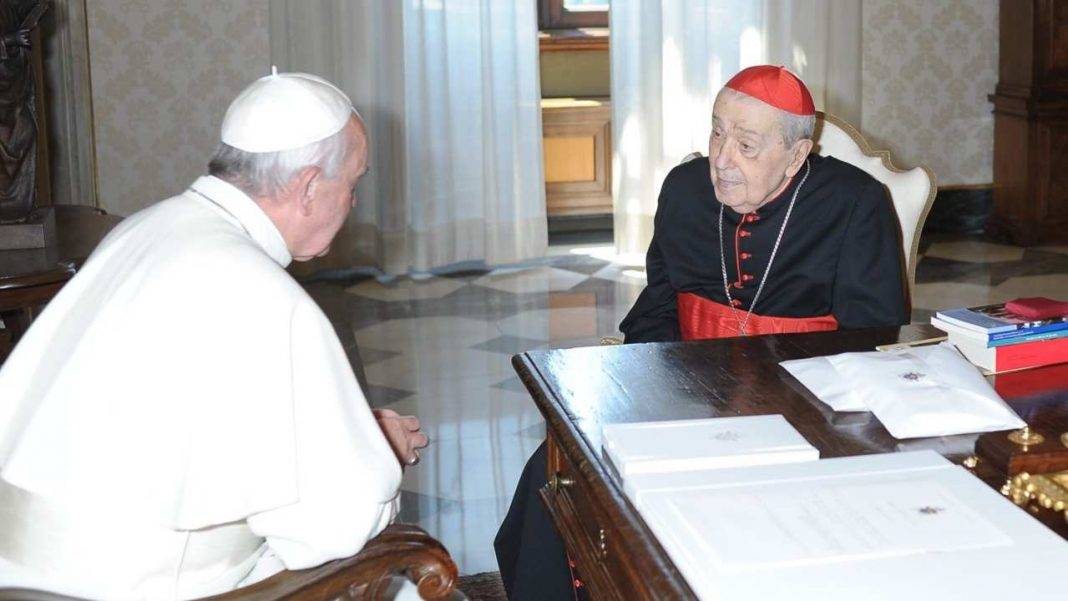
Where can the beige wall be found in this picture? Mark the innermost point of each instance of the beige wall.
(163, 73)
(928, 67)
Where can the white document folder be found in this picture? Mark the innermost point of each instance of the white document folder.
(877, 527)
(696, 444)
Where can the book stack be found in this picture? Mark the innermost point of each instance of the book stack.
(997, 340)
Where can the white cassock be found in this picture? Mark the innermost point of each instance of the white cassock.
(181, 412)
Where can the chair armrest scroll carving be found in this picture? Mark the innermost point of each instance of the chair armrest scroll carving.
(400, 549)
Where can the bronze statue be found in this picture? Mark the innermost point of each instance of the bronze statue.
(18, 108)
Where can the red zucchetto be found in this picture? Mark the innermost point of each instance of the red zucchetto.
(775, 86)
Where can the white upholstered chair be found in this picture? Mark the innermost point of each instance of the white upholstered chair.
(912, 191)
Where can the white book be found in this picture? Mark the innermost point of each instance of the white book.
(876, 527)
(697, 444)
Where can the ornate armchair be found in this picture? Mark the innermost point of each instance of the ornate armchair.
(912, 191)
(400, 549)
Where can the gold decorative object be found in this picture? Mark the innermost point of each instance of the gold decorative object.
(970, 462)
(1048, 491)
(610, 341)
(559, 482)
(1064, 439)
(1025, 437)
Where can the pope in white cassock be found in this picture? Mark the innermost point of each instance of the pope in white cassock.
(182, 420)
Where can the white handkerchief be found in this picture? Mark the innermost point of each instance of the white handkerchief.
(915, 392)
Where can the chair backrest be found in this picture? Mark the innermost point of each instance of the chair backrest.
(912, 191)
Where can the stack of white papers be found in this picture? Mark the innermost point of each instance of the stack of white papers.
(894, 526)
(698, 444)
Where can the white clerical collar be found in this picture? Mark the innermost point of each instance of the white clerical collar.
(246, 214)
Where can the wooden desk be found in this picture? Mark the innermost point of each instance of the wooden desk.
(580, 390)
(30, 278)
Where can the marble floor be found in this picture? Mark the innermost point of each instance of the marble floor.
(440, 348)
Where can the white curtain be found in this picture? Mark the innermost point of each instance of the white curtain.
(670, 58)
(450, 93)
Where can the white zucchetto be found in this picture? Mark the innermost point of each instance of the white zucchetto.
(285, 111)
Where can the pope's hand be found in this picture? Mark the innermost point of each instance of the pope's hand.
(402, 432)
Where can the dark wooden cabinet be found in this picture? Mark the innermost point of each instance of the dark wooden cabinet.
(1031, 123)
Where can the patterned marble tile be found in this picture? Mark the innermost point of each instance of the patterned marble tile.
(936, 269)
(508, 345)
(467, 530)
(623, 274)
(382, 396)
(513, 383)
(415, 507)
(530, 279)
(463, 409)
(950, 295)
(471, 469)
(426, 368)
(419, 334)
(583, 265)
(370, 355)
(975, 251)
(588, 248)
(552, 324)
(403, 289)
(1050, 285)
(536, 432)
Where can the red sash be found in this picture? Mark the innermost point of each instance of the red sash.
(701, 318)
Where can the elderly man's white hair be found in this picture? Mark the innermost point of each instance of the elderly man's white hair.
(267, 173)
(793, 127)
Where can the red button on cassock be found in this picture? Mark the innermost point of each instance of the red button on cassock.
(736, 303)
(744, 233)
(745, 256)
(752, 217)
(746, 277)
(736, 284)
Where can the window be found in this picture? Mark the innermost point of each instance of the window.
(570, 14)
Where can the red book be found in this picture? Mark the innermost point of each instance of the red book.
(1013, 356)
(1037, 307)
(1023, 384)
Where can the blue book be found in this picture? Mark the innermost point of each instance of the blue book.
(1049, 328)
(994, 319)
(1027, 337)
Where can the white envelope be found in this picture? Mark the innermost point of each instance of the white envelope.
(915, 392)
(819, 375)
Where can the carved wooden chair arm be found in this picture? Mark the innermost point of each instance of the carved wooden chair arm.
(400, 549)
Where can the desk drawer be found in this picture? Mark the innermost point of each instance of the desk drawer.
(588, 533)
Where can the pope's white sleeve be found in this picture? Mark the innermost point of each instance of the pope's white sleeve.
(347, 475)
